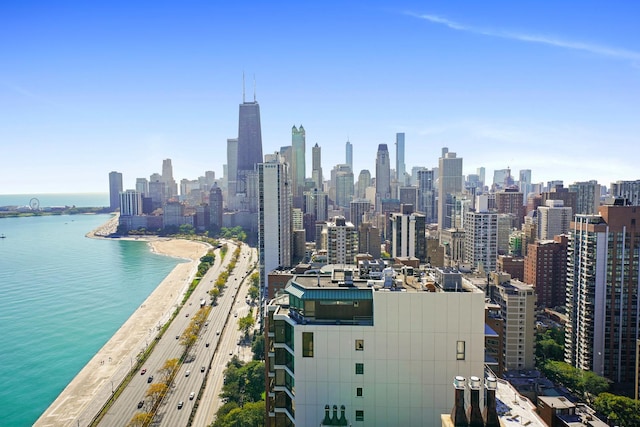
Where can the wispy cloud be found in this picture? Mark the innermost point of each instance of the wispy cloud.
(533, 38)
(28, 94)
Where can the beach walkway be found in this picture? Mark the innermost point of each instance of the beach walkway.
(85, 395)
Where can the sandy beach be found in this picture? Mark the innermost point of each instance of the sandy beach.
(81, 400)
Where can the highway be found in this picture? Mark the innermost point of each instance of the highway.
(207, 357)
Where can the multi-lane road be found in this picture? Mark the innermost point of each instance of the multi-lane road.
(201, 372)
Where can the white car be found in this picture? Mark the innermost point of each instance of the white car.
(192, 395)
(186, 374)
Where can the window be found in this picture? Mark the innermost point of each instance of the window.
(359, 415)
(307, 344)
(359, 345)
(359, 392)
(460, 353)
(359, 368)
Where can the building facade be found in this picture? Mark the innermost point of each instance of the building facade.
(275, 233)
(377, 354)
(602, 292)
(383, 175)
(450, 183)
(115, 188)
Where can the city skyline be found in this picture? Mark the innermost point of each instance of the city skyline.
(87, 89)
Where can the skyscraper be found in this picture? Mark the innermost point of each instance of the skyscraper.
(349, 155)
(115, 187)
(407, 235)
(553, 219)
(130, 203)
(142, 186)
(249, 152)
(342, 241)
(316, 166)
(364, 181)
(401, 168)
(602, 293)
(275, 234)
(232, 167)
(383, 176)
(524, 183)
(425, 179)
(215, 208)
(587, 196)
(450, 184)
(342, 184)
(298, 171)
(171, 187)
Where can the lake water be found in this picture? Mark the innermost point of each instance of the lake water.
(62, 296)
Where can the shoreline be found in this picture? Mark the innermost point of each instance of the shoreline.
(87, 392)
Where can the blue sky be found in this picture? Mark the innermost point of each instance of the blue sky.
(91, 87)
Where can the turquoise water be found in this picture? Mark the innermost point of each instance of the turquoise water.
(62, 296)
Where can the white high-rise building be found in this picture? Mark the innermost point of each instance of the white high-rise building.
(553, 219)
(481, 237)
(130, 203)
(384, 355)
(342, 241)
(275, 234)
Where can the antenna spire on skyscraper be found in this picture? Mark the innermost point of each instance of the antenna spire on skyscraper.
(243, 87)
(254, 88)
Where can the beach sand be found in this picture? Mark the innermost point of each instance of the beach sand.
(85, 395)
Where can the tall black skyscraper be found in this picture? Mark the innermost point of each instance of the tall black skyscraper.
(249, 141)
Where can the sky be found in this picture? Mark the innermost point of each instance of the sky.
(91, 87)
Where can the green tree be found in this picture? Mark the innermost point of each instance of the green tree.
(619, 410)
(215, 293)
(257, 347)
(246, 323)
(186, 229)
(592, 385)
(249, 415)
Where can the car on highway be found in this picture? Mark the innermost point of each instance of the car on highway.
(202, 369)
(150, 378)
(186, 315)
(206, 345)
(192, 395)
(142, 372)
(186, 374)
(217, 332)
(140, 404)
(177, 336)
(180, 404)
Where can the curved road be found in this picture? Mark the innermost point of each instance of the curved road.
(207, 358)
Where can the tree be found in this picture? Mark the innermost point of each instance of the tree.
(249, 415)
(168, 370)
(156, 391)
(592, 385)
(140, 419)
(254, 279)
(550, 344)
(257, 347)
(619, 410)
(215, 293)
(187, 229)
(245, 323)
